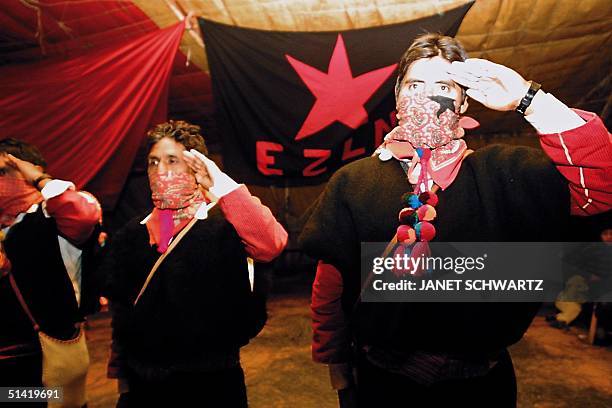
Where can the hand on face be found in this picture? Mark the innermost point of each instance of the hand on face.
(28, 171)
(495, 86)
(199, 164)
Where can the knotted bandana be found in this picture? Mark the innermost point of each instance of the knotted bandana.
(176, 198)
(429, 123)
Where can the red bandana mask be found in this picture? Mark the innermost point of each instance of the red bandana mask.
(16, 197)
(172, 191)
(176, 198)
(429, 123)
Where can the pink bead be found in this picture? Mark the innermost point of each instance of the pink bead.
(426, 213)
(427, 231)
(406, 234)
(429, 198)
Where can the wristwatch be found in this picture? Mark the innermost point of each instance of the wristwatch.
(42, 177)
(526, 101)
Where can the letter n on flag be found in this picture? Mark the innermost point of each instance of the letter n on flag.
(292, 107)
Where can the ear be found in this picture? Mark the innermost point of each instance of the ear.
(39, 168)
(464, 105)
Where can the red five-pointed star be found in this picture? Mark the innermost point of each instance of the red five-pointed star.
(340, 97)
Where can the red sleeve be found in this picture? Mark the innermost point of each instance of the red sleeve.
(330, 332)
(584, 157)
(264, 238)
(76, 214)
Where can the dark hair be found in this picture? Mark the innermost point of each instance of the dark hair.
(181, 132)
(428, 46)
(23, 150)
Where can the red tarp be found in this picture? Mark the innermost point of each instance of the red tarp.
(89, 115)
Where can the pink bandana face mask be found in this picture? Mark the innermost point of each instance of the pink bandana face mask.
(427, 121)
(176, 198)
(172, 191)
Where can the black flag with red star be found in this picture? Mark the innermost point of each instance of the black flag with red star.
(292, 107)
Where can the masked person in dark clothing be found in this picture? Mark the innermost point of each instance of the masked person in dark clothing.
(445, 354)
(177, 333)
(46, 247)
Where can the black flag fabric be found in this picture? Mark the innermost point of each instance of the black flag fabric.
(292, 107)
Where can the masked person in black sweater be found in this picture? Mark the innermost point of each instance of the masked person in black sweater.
(177, 333)
(48, 242)
(446, 354)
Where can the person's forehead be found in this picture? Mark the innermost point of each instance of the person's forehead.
(167, 147)
(428, 69)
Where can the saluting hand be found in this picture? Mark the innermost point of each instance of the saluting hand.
(213, 179)
(29, 171)
(495, 86)
(197, 163)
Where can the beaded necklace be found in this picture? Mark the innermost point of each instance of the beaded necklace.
(419, 209)
(416, 228)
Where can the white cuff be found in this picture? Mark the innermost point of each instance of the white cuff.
(224, 185)
(54, 188)
(550, 115)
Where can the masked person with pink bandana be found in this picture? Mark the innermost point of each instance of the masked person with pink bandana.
(177, 332)
(46, 239)
(424, 184)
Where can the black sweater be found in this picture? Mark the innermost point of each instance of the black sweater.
(502, 193)
(192, 315)
(40, 274)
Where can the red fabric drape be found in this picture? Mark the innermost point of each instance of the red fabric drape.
(89, 115)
